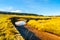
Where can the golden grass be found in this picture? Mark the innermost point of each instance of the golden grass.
(51, 25)
(7, 29)
(9, 32)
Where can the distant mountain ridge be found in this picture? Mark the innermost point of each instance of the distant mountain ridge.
(13, 13)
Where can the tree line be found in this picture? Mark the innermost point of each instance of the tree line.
(13, 13)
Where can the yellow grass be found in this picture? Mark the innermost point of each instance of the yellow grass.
(52, 25)
(7, 29)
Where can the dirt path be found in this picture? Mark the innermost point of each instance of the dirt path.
(43, 35)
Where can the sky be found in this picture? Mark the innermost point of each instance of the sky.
(41, 7)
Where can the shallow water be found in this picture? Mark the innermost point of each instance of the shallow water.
(25, 33)
(28, 35)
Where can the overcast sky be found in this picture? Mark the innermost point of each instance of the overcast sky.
(41, 7)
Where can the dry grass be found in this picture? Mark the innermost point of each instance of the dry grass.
(9, 32)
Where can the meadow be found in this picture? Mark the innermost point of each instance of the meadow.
(49, 24)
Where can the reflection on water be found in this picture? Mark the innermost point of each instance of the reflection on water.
(28, 35)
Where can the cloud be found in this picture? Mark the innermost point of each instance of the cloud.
(16, 11)
(6, 9)
(10, 9)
